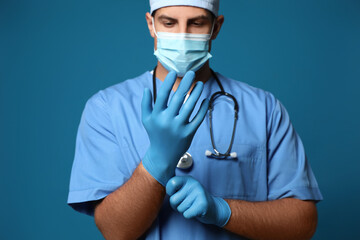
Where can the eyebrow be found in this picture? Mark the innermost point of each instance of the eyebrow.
(164, 17)
(200, 17)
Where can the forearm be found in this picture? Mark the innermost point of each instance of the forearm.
(279, 219)
(130, 210)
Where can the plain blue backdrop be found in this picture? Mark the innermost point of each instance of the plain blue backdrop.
(54, 55)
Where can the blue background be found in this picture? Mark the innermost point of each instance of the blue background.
(55, 54)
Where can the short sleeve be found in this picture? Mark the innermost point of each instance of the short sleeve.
(96, 170)
(289, 173)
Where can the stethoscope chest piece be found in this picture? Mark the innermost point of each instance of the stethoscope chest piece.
(185, 162)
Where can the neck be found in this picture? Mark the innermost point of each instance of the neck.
(203, 74)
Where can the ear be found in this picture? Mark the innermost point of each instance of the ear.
(149, 20)
(218, 24)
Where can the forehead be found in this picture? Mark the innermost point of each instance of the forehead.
(182, 12)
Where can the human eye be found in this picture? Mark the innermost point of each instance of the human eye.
(197, 23)
(168, 23)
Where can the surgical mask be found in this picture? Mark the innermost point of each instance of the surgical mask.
(182, 52)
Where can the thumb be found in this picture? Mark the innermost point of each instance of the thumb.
(175, 184)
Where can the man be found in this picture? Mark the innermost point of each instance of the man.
(128, 147)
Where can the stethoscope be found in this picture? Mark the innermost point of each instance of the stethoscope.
(186, 161)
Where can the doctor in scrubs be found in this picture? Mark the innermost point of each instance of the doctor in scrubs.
(127, 174)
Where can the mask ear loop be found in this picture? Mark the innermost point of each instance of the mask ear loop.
(212, 30)
(153, 25)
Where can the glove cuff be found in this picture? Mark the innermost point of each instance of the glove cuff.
(223, 211)
(161, 176)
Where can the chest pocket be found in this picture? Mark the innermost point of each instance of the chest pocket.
(244, 177)
(241, 178)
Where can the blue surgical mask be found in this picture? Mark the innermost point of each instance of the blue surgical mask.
(182, 52)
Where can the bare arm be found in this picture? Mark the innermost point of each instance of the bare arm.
(130, 210)
(287, 218)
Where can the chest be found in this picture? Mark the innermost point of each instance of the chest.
(244, 177)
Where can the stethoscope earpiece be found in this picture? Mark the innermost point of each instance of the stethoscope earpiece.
(218, 155)
(233, 155)
(208, 153)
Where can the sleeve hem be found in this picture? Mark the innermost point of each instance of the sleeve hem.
(302, 193)
(82, 200)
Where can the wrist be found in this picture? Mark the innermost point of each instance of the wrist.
(160, 172)
(223, 211)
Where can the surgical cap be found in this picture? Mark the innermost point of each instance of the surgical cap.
(211, 5)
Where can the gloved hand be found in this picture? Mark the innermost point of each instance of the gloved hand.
(189, 197)
(168, 126)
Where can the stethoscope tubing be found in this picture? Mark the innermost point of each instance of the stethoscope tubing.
(222, 92)
(236, 109)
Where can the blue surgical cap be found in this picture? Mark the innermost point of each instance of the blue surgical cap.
(211, 5)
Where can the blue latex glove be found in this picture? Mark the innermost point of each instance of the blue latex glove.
(189, 197)
(168, 126)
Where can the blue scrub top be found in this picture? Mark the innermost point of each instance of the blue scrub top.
(271, 161)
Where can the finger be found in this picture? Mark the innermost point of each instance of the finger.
(186, 203)
(175, 184)
(195, 123)
(197, 209)
(180, 196)
(164, 92)
(189, 105)
(146, 104)
(176, 199)
(178, 98)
